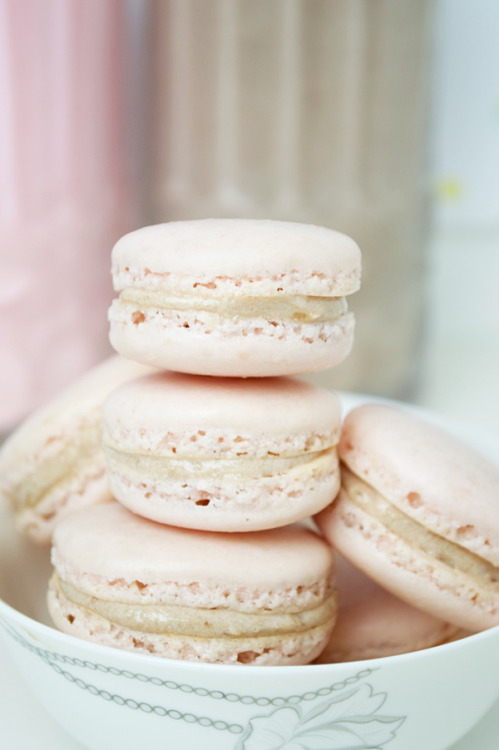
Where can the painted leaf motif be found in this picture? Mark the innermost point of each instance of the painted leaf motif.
(360, 701)
(271, 735)
(335, 740)
(333, 705)
(352, 736)
(347, 721)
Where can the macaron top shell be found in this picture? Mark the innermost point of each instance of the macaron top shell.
(219, 252)
(427, 473)
(107, 546)
(273, 409)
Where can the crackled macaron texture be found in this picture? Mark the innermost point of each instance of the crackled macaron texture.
(124, 581)
(222, 454)
(234, 297)
(53, 463)
(418, 511)
(372, 623)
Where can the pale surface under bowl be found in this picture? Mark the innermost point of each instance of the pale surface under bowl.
(108, 698)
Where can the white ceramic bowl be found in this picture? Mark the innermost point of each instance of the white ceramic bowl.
(113, 700)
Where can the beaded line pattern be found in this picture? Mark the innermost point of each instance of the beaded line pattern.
(52, 656)
(325, 722)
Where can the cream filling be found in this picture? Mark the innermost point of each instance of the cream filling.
(76, 457)
(366, 497)
(290, 307)
(198, 622)
(318, 464)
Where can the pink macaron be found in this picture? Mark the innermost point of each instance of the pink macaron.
(373, 623)
(234, 297)
(418, 511)
(53, 463)
(222, 454)
(124, 581)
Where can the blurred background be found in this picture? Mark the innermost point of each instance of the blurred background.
(379, 118)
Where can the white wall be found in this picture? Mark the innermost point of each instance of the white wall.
(465, 128)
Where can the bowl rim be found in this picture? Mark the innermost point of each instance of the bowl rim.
(27, 624)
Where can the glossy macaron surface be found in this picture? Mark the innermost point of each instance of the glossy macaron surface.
(227, 253)
(428, 474)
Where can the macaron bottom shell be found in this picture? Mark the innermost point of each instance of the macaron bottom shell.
(372, 623)
(352, 644)
(227, 346)
(217, 495)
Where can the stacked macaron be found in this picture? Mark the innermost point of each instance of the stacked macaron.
(216, 458)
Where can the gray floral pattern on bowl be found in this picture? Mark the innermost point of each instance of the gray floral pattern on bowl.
(348, 721)
(350, 718)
